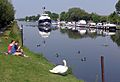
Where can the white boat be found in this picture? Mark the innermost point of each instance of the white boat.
(81, 23)
(92, 25)
(44, 20)
(109, 26)
(99, 26)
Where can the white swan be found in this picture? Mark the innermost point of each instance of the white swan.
(60, 69)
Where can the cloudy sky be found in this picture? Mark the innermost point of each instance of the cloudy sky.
(33, 7)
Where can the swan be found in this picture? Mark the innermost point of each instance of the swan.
(60, 69)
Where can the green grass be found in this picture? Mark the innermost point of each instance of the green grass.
(35, 68)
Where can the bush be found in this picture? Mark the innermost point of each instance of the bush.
(6, 13)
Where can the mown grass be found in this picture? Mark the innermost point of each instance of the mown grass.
(35, 68)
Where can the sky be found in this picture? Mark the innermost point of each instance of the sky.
(25, 8)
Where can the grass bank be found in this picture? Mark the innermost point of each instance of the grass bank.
(20, 69)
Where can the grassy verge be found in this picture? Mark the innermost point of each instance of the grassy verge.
(20, 69)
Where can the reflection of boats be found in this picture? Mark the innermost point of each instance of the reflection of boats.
(82, 30)
(90, 30)
(107, 33)
(44, 28)
(99, 32)
(44, 33)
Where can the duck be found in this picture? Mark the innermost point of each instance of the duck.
(60, 69)
(79, 52)
(57, 55)
(38, 45)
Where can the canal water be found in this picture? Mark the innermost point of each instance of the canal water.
(82, 51)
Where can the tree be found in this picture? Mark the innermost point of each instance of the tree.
(114, 18)
(103, 19)
(76, 14)
(64, 16)
(117, 6)
(6, 13)
(53, 16)
(95, 17)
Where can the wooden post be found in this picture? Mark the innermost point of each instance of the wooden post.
(102, 69)
(22, 34)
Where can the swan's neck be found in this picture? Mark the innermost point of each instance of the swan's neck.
(65, 64)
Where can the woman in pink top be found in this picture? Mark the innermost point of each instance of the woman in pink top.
(10, 46)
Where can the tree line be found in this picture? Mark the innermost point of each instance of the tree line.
(76, 14)
(6, 13)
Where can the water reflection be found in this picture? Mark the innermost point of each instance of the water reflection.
(90, 32)
(44, 33)
(82, 51)
(116, 38)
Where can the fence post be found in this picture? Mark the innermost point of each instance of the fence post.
(102, 69)
(22, 34)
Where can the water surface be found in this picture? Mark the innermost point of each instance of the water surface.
(82, 51)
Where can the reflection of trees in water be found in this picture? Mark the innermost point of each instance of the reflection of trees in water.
(76, 35)
(116, 38)
(71, 34)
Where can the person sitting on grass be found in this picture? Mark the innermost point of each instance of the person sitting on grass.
(15, 49)
(10, 46)
(18, 48)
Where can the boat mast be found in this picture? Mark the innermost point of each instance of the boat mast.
(43, 10)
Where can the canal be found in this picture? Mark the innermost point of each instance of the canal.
(82, 51)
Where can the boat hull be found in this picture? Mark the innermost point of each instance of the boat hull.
(44, 22)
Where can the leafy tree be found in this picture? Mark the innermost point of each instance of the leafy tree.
(76, 14)
(103, 18)
(49, 13)
(26, 18)
(53, 16)
(114, 18)
(95, 17)
(32, 18)
(64, 16)
(6, 13)
(117, 6)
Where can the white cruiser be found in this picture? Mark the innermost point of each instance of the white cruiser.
(44, 20)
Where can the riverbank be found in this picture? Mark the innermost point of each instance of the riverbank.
(35, 68)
